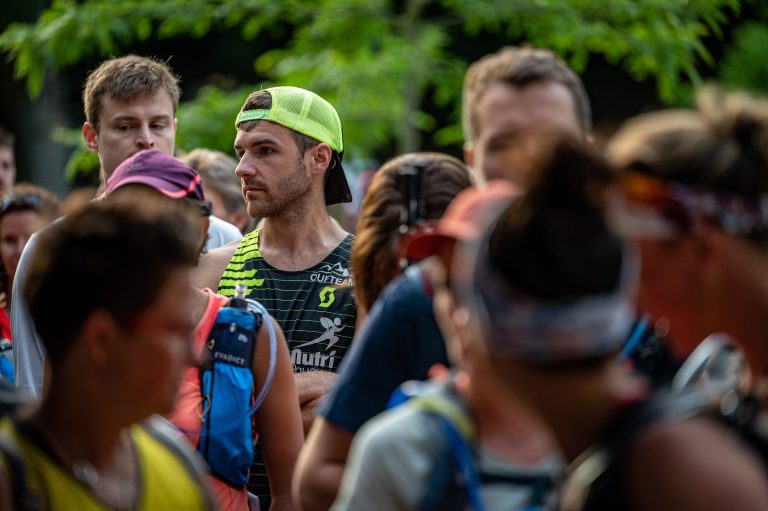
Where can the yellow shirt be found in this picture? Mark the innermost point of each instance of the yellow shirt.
(168, 480)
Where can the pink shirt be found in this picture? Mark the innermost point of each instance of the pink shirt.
(187, 413)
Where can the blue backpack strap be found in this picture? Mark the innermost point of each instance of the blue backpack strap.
(227, 387)
(459, 431)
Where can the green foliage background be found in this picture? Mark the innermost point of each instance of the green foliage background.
(388, 66)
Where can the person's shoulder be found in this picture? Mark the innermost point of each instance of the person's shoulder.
(213, 264)
(167, 437)
(694, 462)
(225, 251)
(405, 427)
(405, 292)
(679, 437)
(161, 444)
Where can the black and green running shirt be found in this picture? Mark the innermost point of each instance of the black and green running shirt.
(314, 307)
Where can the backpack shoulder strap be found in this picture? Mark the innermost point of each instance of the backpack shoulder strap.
(23, 498)
(167, 435)
(459, 431)
(15, 470)
(227, 389)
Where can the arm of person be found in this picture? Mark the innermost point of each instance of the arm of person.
(212, 264)
(312, 387)
(28, 350)
(694, 465)
(278, 420)
(320, 467)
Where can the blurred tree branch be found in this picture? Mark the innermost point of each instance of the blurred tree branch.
(378, 61)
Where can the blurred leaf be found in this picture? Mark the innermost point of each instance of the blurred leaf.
(382, 63)
(209, 119)
(82, 163)
(744, 63)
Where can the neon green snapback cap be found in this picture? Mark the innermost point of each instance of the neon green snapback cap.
(309, 114)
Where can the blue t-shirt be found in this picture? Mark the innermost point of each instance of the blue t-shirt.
(400, 341)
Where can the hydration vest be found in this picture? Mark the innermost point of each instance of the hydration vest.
(226, 385)
(457, 479)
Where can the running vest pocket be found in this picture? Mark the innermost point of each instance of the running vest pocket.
(226, 384)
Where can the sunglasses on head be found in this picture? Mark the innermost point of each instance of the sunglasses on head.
(14, 201)
(651, 207)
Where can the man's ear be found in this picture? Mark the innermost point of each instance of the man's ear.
(321, 156)
(98, 331)
(91, 137)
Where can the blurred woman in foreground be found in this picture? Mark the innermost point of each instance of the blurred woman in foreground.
(695, 186)
(548, 295)
(117, 354)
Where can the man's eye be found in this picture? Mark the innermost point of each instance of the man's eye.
(124, 127)
(158, 126)
(266, 150)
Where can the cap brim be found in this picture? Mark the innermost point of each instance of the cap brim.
(161, 185)
(336, 186)
(426, 245)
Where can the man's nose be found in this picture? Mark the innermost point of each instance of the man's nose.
(244, 168)
(145, 139)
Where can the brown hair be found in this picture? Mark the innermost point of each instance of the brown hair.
(6, 138)
(375, 252)
(124, 79)
(555, 243)
(519, 67)
(722, 146)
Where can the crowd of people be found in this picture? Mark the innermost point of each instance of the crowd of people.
(546, 325)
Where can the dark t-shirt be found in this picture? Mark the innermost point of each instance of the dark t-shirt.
(314, 307)
(400, 341)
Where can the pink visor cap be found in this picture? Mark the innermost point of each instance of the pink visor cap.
(464, 219)
(160, 171)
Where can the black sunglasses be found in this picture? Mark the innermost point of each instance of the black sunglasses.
(19, 201)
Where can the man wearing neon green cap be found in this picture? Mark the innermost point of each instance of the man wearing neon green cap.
(290, 145)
